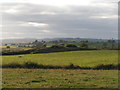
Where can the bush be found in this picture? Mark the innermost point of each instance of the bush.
(84, 44)
(12, 65)
(7, 46)
(71, 46)
(107, 67)
(57, 46)
(30, 65)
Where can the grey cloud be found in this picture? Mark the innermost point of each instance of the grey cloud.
(69, 21)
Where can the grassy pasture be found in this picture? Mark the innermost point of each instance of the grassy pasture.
(62, 78)
(81, 58)
(39, 78)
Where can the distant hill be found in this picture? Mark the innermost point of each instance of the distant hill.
(76, 39)
(26, 40)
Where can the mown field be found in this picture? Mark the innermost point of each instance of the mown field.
(58, 78)
(81, 58)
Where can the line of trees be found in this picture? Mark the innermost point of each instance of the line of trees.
(110, 44)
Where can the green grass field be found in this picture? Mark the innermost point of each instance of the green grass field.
(39, 78)
(62, 78)
(81, 58)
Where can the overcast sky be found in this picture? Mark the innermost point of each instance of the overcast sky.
(59, 18)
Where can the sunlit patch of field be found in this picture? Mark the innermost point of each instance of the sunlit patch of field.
(81, 58)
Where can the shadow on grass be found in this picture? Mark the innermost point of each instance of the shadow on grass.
(32, 65)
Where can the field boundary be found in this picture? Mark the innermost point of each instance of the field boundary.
(32, 65)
